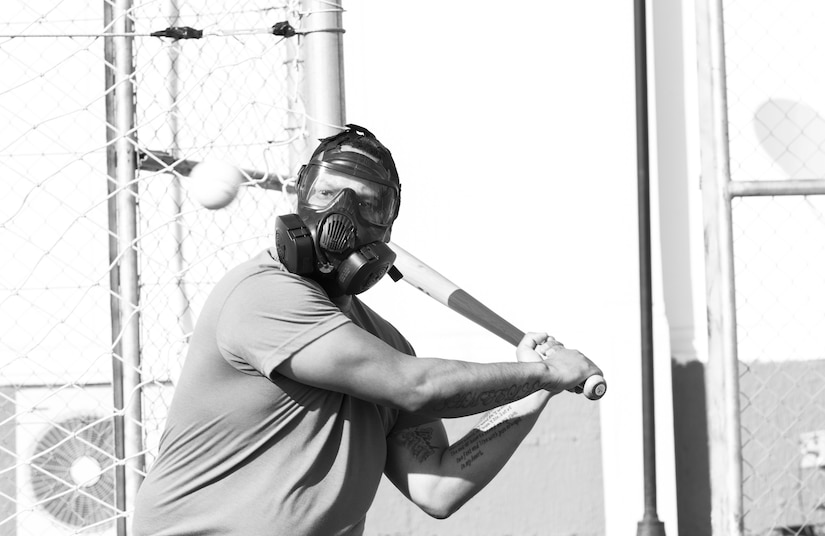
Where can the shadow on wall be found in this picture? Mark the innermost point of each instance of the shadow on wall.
(793, 134)
(691, 445)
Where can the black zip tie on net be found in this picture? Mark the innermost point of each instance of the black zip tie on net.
(179, 32)
(283, 29)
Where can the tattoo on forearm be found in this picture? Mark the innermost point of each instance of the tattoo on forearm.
(418, 441)
(495, 417)
(494, 397)
(494, 424)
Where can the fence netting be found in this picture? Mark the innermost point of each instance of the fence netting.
(776, 105)
(233, 95)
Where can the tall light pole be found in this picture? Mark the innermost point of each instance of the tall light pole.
(650, 525)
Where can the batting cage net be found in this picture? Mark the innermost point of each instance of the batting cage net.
(763, 67)
(106, 258)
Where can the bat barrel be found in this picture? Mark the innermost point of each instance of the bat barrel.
(469, 307)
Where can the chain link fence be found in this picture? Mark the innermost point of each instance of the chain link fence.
(775, 105)
(230, 94)
(779, 252)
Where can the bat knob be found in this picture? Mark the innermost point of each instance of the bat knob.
(594, 387)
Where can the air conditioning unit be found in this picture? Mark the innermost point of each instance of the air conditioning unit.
(64, 471)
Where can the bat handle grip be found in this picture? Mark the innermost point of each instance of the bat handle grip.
(593, 387)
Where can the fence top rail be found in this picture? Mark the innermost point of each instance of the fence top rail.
(780, 187)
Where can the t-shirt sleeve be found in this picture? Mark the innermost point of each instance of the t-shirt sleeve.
(269, 316)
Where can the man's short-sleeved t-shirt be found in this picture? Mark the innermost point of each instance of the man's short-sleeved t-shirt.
(247, 451)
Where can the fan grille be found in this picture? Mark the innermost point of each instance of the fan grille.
(72, 471)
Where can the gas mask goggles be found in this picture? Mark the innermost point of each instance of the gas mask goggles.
(347, 203)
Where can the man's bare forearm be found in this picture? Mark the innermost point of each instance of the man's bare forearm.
(488, 398)
(462, 389)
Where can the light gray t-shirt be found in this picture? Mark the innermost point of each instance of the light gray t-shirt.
(249, 452)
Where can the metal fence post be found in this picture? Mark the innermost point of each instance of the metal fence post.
(125, 301)
(323, 60)
(723, 375)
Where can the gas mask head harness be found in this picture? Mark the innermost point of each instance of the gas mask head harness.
(348, 197)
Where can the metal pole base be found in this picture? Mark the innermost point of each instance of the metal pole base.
(650, 527)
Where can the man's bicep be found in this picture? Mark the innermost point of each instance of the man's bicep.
(414, 450)
(352, 361)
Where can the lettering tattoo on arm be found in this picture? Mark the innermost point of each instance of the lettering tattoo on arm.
(494, 424)
(418, 441)
(492, 397)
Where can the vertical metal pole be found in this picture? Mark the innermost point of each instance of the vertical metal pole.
(723, 364)
(650, 524)
(184, 312)
(114, 275)
(126, 364)
(323, 61)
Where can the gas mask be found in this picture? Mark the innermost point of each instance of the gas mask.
(347, 202)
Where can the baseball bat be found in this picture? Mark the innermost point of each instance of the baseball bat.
(432, 283)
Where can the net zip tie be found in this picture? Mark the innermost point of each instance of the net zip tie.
(282, 29)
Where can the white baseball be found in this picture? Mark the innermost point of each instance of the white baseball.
(214, 183)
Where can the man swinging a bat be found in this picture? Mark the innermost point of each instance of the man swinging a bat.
(295, 397)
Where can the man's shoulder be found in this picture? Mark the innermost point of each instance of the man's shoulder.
(368, 319)
(263, 264)
(262, 270)
(263, 277)
(266, 260)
